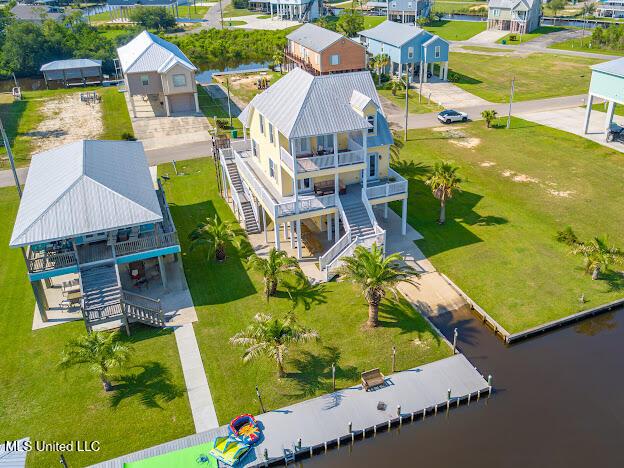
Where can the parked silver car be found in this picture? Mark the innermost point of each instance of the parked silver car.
(449, 116)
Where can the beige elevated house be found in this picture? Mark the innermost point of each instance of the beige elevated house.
(314, 162)
(159, 74)
(515, 16)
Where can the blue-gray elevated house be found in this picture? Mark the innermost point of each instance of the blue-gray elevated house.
(92, 217)
(607, 83)
(402, 11)
(292, 10)
(411, 49)
(120, 9)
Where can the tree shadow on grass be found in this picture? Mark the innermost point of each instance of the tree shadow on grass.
(399, 313)
(614, 280)
(152, 385)
(411, 169)
(302, 293)
(313, 371)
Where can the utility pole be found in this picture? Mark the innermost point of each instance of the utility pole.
(5, 139)
(227, 83)
(406, 99)
(221, 13)
(513, 80)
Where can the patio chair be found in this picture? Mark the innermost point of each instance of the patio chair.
(372, 378)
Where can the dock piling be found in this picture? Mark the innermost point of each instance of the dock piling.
(393, 359)
(350, 427)
(260, 399)
(455, 333)
(334, 376)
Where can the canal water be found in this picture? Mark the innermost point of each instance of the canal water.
(558, 402)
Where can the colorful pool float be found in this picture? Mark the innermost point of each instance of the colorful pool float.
(244, 428)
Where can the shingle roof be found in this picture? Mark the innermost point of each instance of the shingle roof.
(302, 105)
(392, 33)
(612, 67)
(149, 53)
(85, 187)
(314, 37)
(70, 64)
(33, 12)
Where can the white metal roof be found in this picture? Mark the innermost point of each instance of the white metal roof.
(314, 37)
(392, 33)
(85, 187)
(510, 4)
(149, 53)
(612, 67)
(302, 105)
(70, 64)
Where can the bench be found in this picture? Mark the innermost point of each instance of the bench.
(326, 187)
(372, 378)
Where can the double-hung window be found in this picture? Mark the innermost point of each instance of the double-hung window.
(334, 59)
(145, 80)
(271, 137)
(179, 81)
(262, 124)
(436, 52)
(372, 119)
(410, 52)
(271, 168)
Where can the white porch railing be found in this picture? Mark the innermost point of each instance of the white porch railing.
(351, 157)
(391, 188)
(312, 163)
(306, 205)
(341, 244)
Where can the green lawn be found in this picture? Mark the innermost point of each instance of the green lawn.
(583, 45)
(234, 23)
(149, 406)
(247, 90)
(522, 38)
(230, 12)
(537, 75)
(215, 108)
(414, 106)
(520, 186)
(195, 12)
(465, 7)
(456, 30)
(227, 296)
(21, 117)
(372, 21)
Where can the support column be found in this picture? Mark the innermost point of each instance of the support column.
(329, 227)
(404, 217)
(425, 67)
(41, 299)
(277, 235)
(197, 98)
(336, 226)
(588, 109)
(264, 227)
(292, 235)
(285, 231)
(386, 210)
(446, 71)
(163, 270)
(298, 239)
(610, 112)
(167, 106)
(441, 64)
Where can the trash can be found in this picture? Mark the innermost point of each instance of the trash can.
(234, 133)
(504, 41)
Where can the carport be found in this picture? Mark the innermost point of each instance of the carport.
(607, 83)
(73, 72)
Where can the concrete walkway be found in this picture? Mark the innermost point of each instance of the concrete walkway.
(489, 36)
(449, 95)
(200, 398)
(572, 120)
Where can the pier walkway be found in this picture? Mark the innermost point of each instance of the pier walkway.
(326, 418)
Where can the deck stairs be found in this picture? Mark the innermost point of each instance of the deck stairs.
(242, 198)
(357, 216)
(104, 301)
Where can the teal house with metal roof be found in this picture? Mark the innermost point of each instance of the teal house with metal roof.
(607, 83)
(411, 49)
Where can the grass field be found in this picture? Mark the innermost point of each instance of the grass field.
(522, 38)
(456, 30)
(234, 23)
(245, 89)
(22, 117)
(215, 108)
(148, 407)
(537, 75)
(195, 12)
(461, 7)
(499, 242)
(583, 46)
(230, 12)
(372, 21)
(227, 296)
(619, 108)
(414, 106)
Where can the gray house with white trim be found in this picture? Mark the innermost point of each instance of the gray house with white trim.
(515, 16)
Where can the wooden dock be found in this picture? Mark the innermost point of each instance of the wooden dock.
(346, 415)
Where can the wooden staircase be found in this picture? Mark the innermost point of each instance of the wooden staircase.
(249, 218)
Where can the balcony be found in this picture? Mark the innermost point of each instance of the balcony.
(38, 261)
(352, 156)
(394, 185)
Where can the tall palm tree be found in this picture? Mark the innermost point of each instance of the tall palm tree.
(376, 275)
(489, 116)
(373, 63)
(443, 182)
(272, 337)
(215, 234)
(598, 255)
(273, 268)
(100, 351)
(383, 60)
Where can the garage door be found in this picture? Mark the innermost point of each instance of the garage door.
(182, 103)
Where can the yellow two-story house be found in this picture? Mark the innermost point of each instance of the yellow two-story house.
(314, 161)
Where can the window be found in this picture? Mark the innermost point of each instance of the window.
(325, 143)
(271, 168)
(304, 185)
(410, 52)
(179, 81)
(302, 145)
(372, 119)
(145, 80)
(334, 59)
(436, 51)
(262, 124)
(271, 139)
(495, 12)
(317, 59)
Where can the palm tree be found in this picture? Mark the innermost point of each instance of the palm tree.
(489, 116)
(373, 63)
(598, 255)
(272, 338)
(101, 351)
(278, 60)
(273, 268)
(587, 10)
(375, 276)
(443, 181)
(214, 234)
(383, 60)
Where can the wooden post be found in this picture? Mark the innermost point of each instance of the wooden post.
(393, 359)
(163, 270)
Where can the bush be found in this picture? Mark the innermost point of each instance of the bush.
(153, 17)
(567, 236)
(222, 123)
(128, 136)
(241, 4)
(453, 77)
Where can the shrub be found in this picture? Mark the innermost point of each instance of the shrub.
(128, 136)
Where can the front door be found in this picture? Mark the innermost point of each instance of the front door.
(373, 166)
(304, 185)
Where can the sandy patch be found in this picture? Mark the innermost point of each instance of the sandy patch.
(517, 177)
(459, 138)
(487, 164)
(561, 193)
(66, 119)
(466, 142)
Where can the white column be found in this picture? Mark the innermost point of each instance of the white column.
(446, 70)
(286, 231)
(329, 227)
(404, 217)
(196, 98)
(298, 238)
(588, 109)
(420, 71)
(441, 70)
(264, 227)
(163, 270)
(292, 235)
(366, 159)
(167, 106)
(425, 67)
(336, 226)
(386, 210)
(610, 111)
(277, 235)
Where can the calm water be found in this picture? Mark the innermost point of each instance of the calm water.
(205, 76)
(558, 403)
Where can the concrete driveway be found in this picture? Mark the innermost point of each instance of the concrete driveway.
(486, 37)
(449, 95)
(571, 120)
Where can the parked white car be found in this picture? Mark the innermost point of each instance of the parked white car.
(449, 116)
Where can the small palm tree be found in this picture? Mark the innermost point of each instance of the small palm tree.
(443, 182)
(489, 116)
(215, 235)
(272, 338)
(373, 64)
(598, 255)
(383, 60)
(273, 268)
(397, 85)
(278, 60)
(100, 351)
(375, 276)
